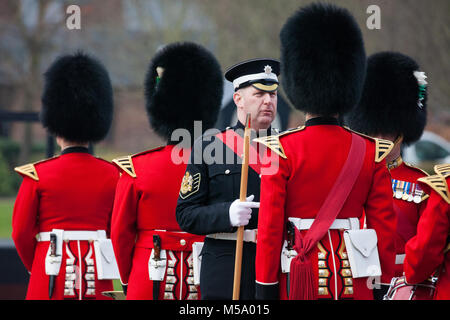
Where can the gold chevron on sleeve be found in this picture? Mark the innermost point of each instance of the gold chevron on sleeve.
(438, 184)
(28, 170)
(382, 149)
(126, 164)
(443, 169)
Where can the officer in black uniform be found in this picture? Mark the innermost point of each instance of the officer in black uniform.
(209, 204)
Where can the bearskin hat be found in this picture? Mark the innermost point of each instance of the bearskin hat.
(393, 100)
(189, 88)
(77, 101)
(322, 59)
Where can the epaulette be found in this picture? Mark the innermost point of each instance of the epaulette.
(443, 169)
(382, 147)
(273, 142)
(416, 168)
(126, 163)
(29, 169)
(438, 184)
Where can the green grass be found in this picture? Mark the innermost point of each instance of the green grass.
(6, 209)
(117, 285)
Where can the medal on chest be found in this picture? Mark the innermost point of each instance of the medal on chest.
(407, 191)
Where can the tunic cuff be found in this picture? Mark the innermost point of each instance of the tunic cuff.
(267, 291)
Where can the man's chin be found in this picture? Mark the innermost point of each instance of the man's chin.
(264, 122)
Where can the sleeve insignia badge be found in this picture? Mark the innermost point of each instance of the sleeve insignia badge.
(189, 185)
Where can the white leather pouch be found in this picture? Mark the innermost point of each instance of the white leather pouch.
(197, 261)
(53, 263)
(157, 268)
(286, 258)
(363, 252)
(106, 260)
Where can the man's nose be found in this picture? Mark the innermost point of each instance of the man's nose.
(267, 98)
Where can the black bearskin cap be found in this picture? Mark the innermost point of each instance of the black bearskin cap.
(190, 89)
(322, 59)
(77, 101)
(390, 99)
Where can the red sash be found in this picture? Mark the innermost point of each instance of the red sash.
(236, 143)
(302, 284)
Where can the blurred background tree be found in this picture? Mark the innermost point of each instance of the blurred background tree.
(125, 34)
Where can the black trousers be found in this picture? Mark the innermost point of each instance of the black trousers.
(217, 270)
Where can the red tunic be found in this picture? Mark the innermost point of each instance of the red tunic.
(74, 191)
(314, 158)
(145, 204)
(428, 250)
(409, 202)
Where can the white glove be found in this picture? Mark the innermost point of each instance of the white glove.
(241, 212)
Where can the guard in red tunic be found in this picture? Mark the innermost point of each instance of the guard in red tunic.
(393, 107)
(427, 254)
(328, 175)
(155, 257)
(62, 213)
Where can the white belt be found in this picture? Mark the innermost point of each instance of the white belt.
(249, 235)
(347, 224)
(75, 235)
(399, 258)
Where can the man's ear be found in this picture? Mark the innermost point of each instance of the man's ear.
(238, 99)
